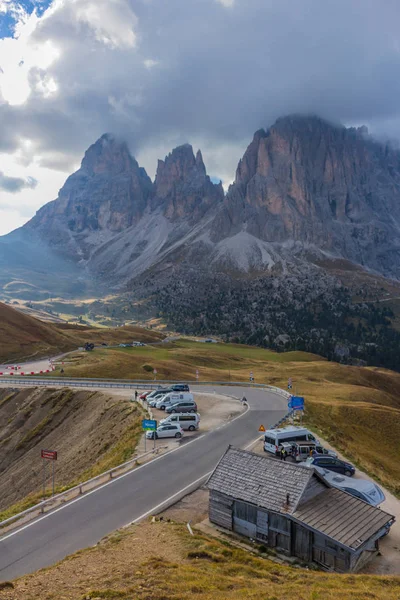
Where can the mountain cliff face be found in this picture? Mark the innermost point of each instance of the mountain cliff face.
(182, 186)
(304, 190)
(108, 194)
(327, 188)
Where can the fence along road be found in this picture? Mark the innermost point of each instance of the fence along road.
(137, 494)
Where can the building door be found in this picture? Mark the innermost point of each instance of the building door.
(302, 542)
(262, 526)
(245, 519)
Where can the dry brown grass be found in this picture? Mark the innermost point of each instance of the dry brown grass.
(161, 561)
(23, 337)
(91, 431)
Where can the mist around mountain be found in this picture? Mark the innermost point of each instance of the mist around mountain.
(251, 264)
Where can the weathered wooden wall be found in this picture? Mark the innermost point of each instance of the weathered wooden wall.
(220, 510)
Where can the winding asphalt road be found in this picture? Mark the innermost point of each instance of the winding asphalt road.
(132, 497)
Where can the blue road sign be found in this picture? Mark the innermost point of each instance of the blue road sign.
(296, 403)
(149, 425)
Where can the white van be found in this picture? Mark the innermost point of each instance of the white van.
(188, 421)
(274, 437)
(172, 398)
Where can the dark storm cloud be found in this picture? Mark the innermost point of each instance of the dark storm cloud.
(222, 72)
(16, 184)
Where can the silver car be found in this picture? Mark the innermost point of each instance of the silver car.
(360, 488)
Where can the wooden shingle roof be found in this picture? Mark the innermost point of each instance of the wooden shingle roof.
(260, 480)
(342, 517)
(267, 482)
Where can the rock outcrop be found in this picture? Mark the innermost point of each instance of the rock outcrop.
(182, 186)
(308, 182)
(109, 193)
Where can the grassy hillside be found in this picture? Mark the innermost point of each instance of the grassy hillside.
(24, 337)
(357, 409)
(180, 359)
(91, 431)
(161, 561)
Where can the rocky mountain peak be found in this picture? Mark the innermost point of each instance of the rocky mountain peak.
(108, 155)
(247, 166)
(321, 186)
(108, 193)
(182, 185)
(175, 169)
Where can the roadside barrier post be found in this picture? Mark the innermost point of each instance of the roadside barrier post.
(44, 479)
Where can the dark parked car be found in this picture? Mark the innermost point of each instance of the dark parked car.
(332, 464)
(182, 407)
(180, 387)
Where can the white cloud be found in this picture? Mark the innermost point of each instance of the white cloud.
(112, 21)
(18, 56)
(161, 73)
(226, 3)
(17, 208)
(149, 63)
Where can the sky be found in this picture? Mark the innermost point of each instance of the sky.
(160, 73)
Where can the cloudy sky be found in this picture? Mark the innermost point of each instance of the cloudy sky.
(164, 72)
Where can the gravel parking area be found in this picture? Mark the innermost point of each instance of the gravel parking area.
(214, 410)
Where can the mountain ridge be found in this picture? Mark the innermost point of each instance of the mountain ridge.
(304, 190)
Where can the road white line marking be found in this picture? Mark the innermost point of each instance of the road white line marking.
(253, 442)
(67, 504)
(155, 508)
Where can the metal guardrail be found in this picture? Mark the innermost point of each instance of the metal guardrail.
(128, 383)
(79, 488)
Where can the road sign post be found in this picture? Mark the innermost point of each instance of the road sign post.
(251, 377)
(296, 403)
(48, 455)
(155, 374)
(44, 480)
(197, 374)
(149, 425)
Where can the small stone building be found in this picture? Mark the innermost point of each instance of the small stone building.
(293, 509)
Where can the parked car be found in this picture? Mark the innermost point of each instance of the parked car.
(332, 464)
(360, 488)
(188, 421)
(182, 407)
(180, 387)
(165, 431)
(144, 395)
(104, 344)
(153, 398)
(173, 398)
(138, 344)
